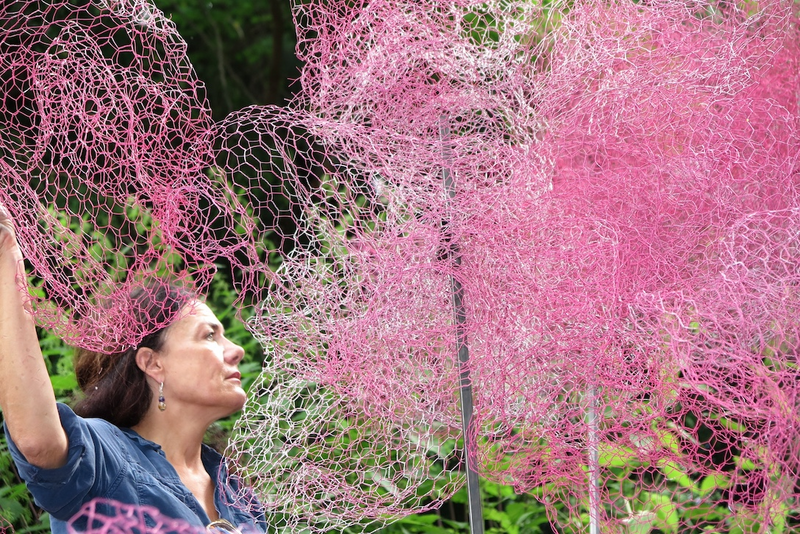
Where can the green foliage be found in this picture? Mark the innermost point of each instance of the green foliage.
(505, 512)
(15, 503)
(242, 49)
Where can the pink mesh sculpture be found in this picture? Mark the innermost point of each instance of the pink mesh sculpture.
(623, 219)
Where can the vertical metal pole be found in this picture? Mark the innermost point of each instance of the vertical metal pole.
(453, 253)
(594, 464)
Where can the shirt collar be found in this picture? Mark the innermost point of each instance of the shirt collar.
(212, 460)
(143, 443)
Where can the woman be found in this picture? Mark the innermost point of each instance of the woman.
(156, 401)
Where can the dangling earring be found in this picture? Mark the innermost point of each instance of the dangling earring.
(162, 403)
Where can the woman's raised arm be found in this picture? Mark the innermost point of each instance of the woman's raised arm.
(26, 394)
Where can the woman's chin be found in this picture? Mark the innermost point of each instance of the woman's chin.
(238, 403)
(228, 406)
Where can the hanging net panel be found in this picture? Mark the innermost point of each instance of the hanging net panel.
(103, 161)
(614, 185)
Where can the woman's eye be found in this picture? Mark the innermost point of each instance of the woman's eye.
(210, 335)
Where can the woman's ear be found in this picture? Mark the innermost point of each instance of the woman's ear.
(149, 362)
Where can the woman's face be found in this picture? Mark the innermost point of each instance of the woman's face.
(201, 365)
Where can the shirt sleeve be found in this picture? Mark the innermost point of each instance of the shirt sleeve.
(95, 462)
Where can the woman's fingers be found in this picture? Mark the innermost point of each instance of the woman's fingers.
(4, 215)
(8, 238)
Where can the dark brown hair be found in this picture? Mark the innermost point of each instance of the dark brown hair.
(115, 388)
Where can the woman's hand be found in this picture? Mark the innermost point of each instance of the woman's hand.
(8, 237)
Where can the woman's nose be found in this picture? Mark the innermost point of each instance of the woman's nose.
(234, 353)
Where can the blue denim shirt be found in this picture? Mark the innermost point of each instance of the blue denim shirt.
(108, 462)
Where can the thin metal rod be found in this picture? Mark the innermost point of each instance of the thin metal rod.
(594, 464)
(467, 423)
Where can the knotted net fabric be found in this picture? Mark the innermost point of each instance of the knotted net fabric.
(103, 515)
(613, 184)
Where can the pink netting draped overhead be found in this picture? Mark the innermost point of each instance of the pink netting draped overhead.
(103, 126)
(623, 219)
